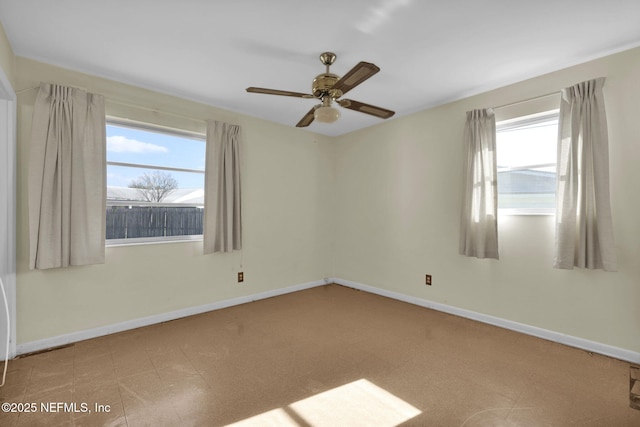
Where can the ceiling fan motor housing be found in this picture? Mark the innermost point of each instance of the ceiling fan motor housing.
(322, 85)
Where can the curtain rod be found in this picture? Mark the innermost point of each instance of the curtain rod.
(38, 87)
(27, 89)
(114, 101)
(153, 110)
(527, 100)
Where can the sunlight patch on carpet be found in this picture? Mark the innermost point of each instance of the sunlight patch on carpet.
(360, 403)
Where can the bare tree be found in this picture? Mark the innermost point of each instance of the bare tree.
(154, 186)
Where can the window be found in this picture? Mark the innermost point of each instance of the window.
(155, 183)
(526, 151)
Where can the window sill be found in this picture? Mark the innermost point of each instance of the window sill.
(527, 212)
(114, 243)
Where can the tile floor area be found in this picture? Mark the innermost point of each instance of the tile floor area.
(325, 356)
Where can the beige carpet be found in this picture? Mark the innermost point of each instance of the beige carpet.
(328, 356)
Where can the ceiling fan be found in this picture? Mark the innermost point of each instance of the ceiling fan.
(328, 88)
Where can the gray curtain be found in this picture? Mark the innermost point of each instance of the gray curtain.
(223, 195)
(479, 222)
(584, 227)
(67, 168)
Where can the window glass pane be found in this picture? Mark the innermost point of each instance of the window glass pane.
(121, 180)
(153, 204)
(526, 151)
(127, 145)
(528, 145)
(533, 188)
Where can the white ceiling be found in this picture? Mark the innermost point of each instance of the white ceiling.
(430, 52)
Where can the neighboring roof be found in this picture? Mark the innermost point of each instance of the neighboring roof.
(179, 195)
(526, 181)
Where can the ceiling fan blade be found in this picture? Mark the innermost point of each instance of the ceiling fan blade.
(279, 92)
(355, 76)
(383, 113)
(307, 119)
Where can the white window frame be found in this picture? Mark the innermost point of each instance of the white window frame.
(136, 125)
(515, 123)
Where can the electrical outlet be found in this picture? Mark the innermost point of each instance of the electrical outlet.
(427, 280)
(240, 277)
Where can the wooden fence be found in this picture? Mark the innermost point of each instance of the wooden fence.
(124, 222)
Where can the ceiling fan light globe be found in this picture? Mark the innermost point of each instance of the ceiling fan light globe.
(326, 114)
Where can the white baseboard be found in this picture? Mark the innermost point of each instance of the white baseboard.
(591, 346)
(65, 339)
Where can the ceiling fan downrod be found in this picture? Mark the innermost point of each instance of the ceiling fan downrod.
(328, 58)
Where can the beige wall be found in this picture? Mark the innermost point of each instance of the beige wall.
(287, 189)
(379, 206)
(398, 205)
(7, 58)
